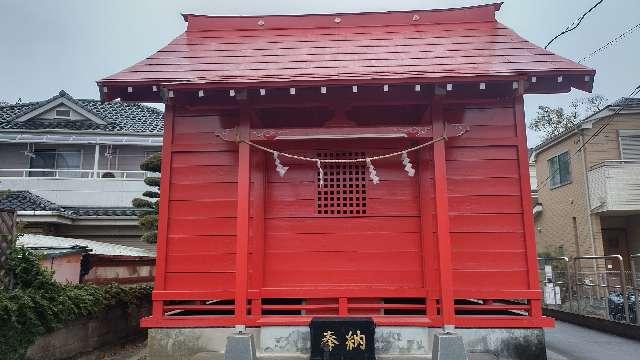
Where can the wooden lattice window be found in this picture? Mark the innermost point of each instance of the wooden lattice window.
(344, 186)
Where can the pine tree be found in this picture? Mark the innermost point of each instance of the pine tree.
(148, 220)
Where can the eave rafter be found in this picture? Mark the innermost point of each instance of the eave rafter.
(272, 95)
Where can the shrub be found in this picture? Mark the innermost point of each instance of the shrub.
(37, 304)
(148, 219)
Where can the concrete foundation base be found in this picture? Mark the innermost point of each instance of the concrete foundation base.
(391, 343)
(448, 346)
(240, 347)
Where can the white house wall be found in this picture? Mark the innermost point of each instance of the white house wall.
(80, 192)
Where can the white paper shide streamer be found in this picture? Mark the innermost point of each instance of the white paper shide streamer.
(320, 174)
(372, 172)
(279, 167)
(408, 167)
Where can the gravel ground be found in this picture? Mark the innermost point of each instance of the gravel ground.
(134, 350)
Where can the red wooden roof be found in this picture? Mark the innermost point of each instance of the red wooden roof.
(385, 47)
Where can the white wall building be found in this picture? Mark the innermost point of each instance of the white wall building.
(74, 165)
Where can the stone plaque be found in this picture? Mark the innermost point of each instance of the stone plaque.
(342, 338)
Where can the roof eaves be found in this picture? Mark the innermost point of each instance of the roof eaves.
(50, 252)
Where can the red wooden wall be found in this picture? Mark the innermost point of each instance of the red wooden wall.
(359, 260)
(200, 244)
(485, 204)
(380, 248)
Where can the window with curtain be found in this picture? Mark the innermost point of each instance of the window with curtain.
(43, 159)
(68, 159)
(559, 170)
(56, 159)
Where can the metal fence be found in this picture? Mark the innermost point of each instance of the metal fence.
(600, 286)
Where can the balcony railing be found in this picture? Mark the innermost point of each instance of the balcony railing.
(75, 174)
(614, 185)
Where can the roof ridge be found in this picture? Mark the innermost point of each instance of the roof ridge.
(61, 94)
(474, 13)
(496, 5)
(115, 116)
(123, 103)
(19, 104)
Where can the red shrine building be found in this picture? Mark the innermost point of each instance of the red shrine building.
(366, 164)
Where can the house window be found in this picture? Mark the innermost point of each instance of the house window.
(559, 170)
(43, 159)
(63, 113)
(344, 188)
(630, 145)
(52, 160)
(68, 159)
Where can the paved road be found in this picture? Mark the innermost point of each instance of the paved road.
(570, 342)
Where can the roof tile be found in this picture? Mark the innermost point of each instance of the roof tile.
(27, 201)
(119, 117)
(411, 45)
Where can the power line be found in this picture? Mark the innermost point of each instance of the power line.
(574, 25)
(611, 42)
(633, 93)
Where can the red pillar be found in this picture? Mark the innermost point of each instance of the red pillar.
(242, 225)
(442, 216)
(428, 246)
(157, 311)
(525, 192)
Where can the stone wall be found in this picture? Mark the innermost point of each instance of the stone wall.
(391, 343)
(115, 325)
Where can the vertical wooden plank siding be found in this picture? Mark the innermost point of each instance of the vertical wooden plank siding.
(163, 210)
(442, 215)
(525, 189)
(242, 224)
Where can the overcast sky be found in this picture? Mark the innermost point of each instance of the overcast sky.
(48, 45)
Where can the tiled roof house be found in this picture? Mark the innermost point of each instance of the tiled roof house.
(71, 167)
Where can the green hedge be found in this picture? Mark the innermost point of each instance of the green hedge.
(37, 304)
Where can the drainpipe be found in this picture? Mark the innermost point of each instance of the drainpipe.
(586, 192)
